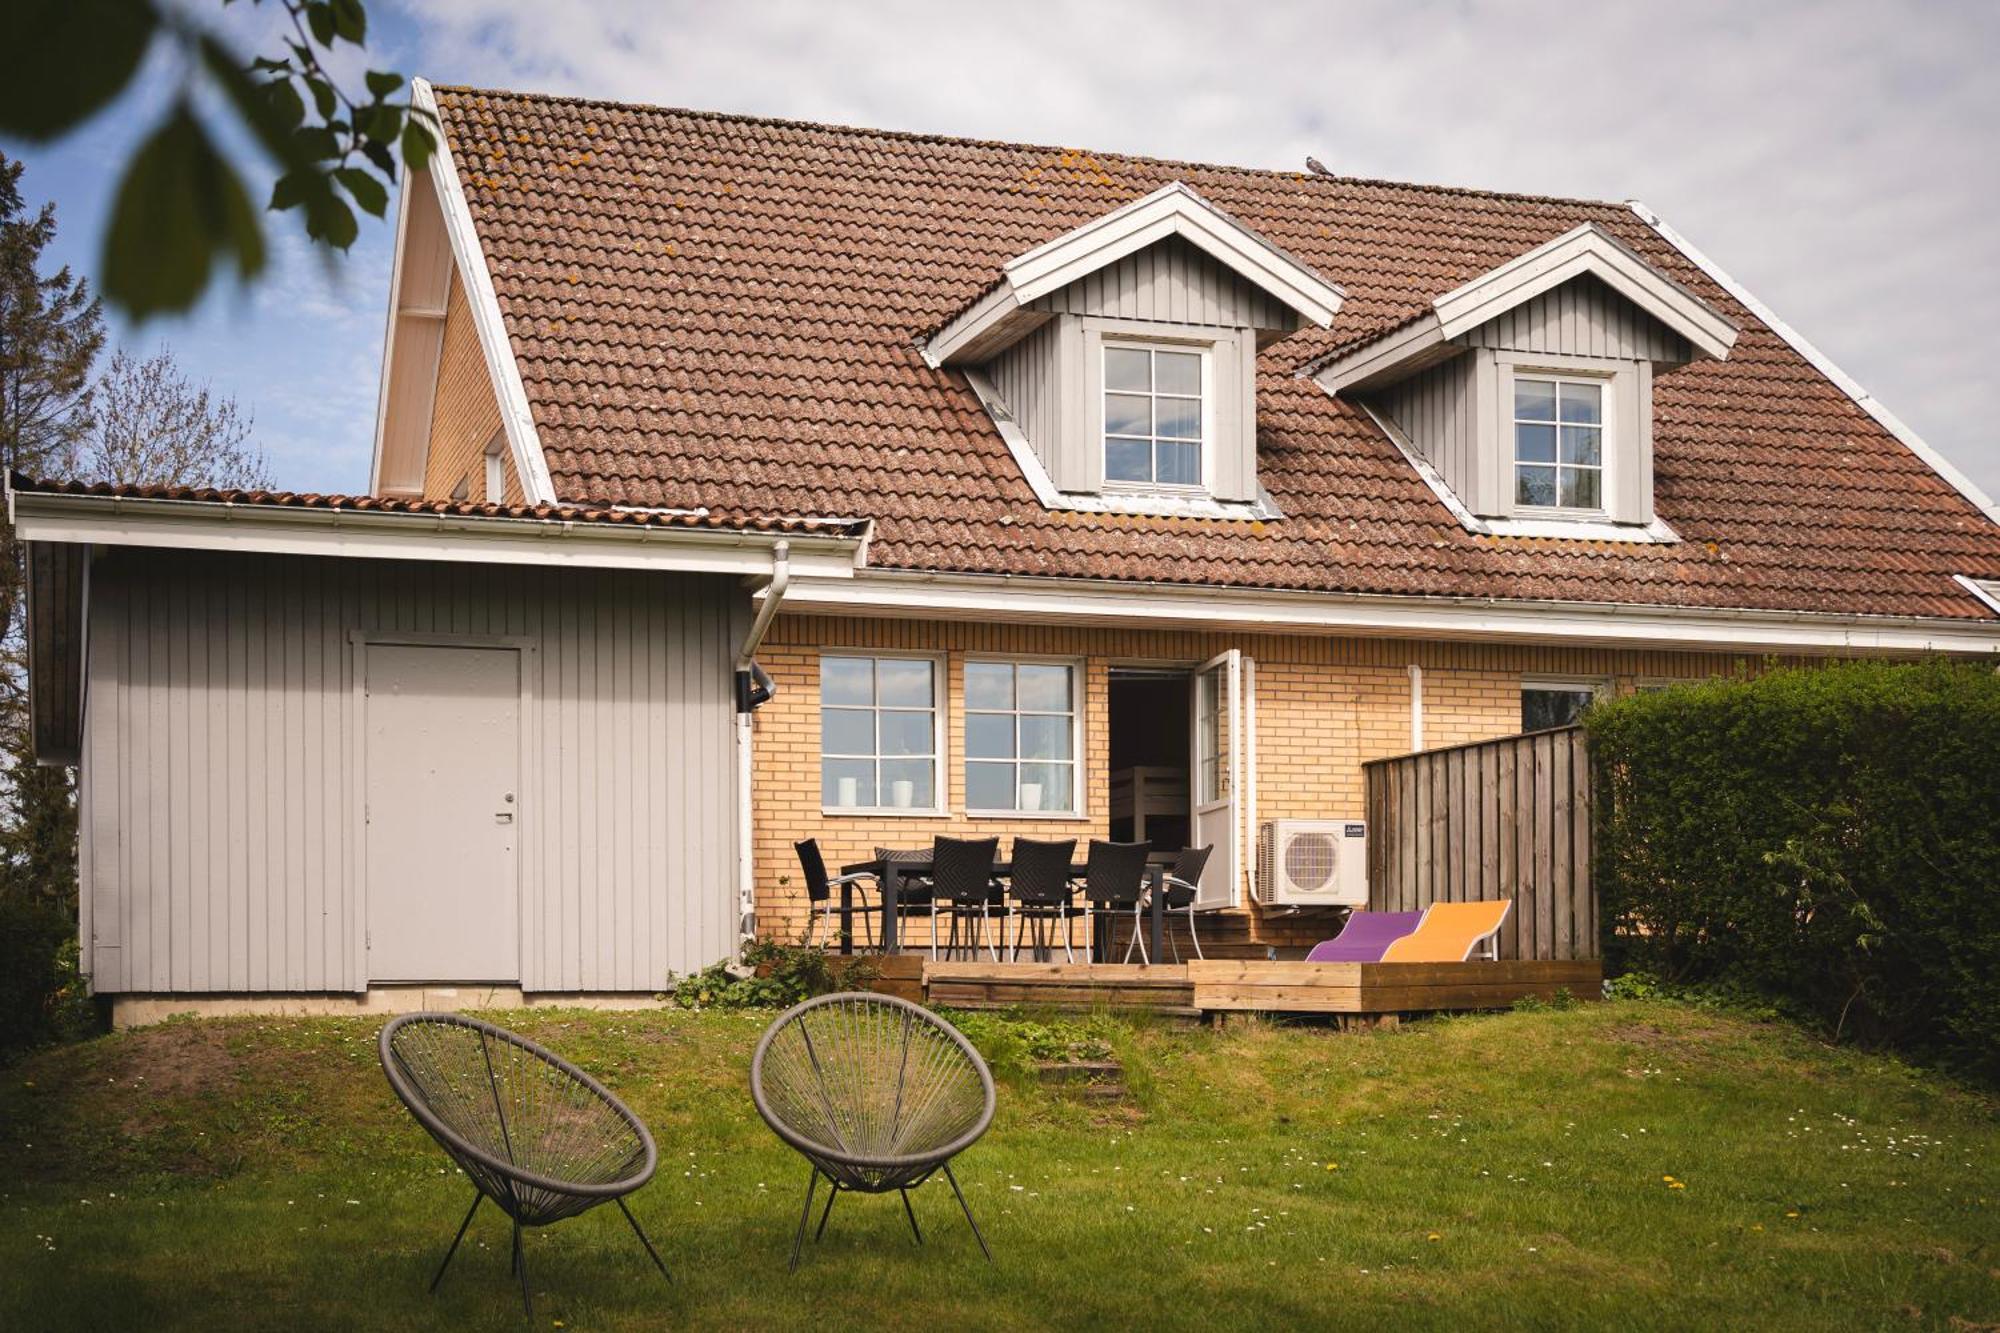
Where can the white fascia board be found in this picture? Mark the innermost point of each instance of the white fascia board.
(1986, 590)
(1059, 601)
(1586, 249)
(1866, 401)
(523, 440)
(1379, 357)
(365, 535)
(989, 310)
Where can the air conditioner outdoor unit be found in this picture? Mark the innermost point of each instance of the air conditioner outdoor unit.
(1312, 863)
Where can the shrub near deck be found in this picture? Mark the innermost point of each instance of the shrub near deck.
(1492, 1172)
(1831, 836)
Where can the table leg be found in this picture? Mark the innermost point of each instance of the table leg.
(1157, 926)
(847, 918)
(892, 883)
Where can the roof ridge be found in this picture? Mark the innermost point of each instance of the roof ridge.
(968, 141)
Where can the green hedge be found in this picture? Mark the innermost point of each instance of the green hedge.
(1829, 836)
(41, 994)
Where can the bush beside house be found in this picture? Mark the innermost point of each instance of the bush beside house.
(1829, 836)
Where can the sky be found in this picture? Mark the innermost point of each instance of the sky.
(1841, 159)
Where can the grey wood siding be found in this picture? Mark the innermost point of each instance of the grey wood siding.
(221, 835)
(1583, 317)
(1437, 410)
(1171, 282)
(1029, 377)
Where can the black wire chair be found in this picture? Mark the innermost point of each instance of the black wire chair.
(819, 896)
(534, 1133)
(875, 1092)
(1114, 883)
(1043, 896)
(1180, 886)
(966, 891)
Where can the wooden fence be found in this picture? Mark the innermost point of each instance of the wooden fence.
(1507, 818)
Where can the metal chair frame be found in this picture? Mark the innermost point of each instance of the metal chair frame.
(1114, 883)
(819, 894)
(1044, 897)
(1184, 882)
(964, 888)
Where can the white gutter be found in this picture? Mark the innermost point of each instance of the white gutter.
(746, 871)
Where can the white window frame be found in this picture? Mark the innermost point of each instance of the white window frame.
(1079, 687)
(496, 473)
(940, 705)
(1205, 349)
(1597, 686)
(1606, 442)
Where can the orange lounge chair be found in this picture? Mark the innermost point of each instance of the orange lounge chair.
(1453, 933)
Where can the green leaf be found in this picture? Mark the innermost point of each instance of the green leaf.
(333, 222)
(350, 20)
(62, 60)
(178, 207)
(367, 191)
(288, 109)
(380, 123)
(319, 18)
(267, 112)
(418, 144)
(384, 160)
(383, 83)
(323, 97)
(295, 188)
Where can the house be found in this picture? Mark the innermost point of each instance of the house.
(1045, 493)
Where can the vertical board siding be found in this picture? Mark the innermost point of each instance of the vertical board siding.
(1582, 317)
(1028, 376)
(1436, 409)
(1507, 818)
(1175, 283)
(217, 794)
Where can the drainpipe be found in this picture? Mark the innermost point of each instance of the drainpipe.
(753, 687)
(1416, 707)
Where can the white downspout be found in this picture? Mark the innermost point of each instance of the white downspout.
(746, 852)
(1416, 707)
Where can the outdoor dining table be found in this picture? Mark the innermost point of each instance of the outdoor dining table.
(891, 873)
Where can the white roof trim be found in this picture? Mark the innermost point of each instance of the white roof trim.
(1866, 401)
(1582, 530)
(1986, 590)
(1172, 210)
(523, 440)
(1584, 249)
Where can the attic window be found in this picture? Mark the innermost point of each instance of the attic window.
(1153, 415)
(1559, 444)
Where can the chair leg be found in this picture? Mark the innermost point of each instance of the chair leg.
(477, 1197)
(911, 1213)
(968, 1212)
(1193, 938)
(1069, 954)
(640, 1232)
(805, 1216)
(521, 1267)
(812, 924)
(826, 1212)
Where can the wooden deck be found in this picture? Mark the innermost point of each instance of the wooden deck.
(1191, 990)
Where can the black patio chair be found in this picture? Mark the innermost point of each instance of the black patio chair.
(1114, 883)
(913, 893)
(819, 895)
(1043, 895)
(1180, 886)
(533, 1133)
(966, 891)
(877, 1094)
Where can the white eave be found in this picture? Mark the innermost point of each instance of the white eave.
(1171, 210)
(1587, 249)
(267, 529)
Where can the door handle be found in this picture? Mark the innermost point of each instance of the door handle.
(504, 817)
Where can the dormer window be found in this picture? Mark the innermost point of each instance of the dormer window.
(1558, 445)
(1153, 415)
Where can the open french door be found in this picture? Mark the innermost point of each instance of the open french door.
(1218, 741)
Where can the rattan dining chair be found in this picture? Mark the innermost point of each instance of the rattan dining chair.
(1180, 887)
(819, 896)
(965, 890)
(536, 1135)
(913, 892)
(1043, 897)
(1114, 883)
(876, 1093)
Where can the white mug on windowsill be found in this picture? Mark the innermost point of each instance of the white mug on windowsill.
(850, 792)
(903, 793)
(1031, 796)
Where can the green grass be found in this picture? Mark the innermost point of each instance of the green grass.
(1507, 1171)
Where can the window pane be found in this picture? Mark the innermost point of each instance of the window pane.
(1127, 414)
(1127, 368)
(1045, 787)
(1552, 707)
(1580, 487)
(906, 784)
(989, 735)
(1180, 418)
(846, 680)
(1128, 460)
(905, 681)
(1535, 444)
(1045, 737)
(989, 786)
(1534, 400)
(1179, 464)
(847, 731)
(989, 685)
(1583, 402)
(1535, 486)
(847, 783)
(1045, 689)
(1580, 444)
(907, 733)
(1177, 372)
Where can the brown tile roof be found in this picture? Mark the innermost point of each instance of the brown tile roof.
(721, 311)
(596, 513)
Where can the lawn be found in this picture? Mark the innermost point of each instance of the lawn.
(1630, 1164)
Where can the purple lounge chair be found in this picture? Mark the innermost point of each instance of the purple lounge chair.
(1365, 937)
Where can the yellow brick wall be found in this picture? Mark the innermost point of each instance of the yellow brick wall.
(1324, 706)
(464, 413)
